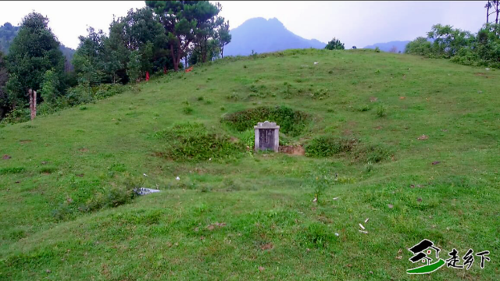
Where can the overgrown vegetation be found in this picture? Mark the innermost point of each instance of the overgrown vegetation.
(464, 47)
(291, 122)
(193, 142)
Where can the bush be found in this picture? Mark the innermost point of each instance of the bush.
(291, 122)
(381, 110)
(373, 153)
(377, 49)
(192, 141)
(326, 146)
(187, 110)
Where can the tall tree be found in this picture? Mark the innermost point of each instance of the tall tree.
(335, 44)
(224, 37)
(88, 58)
(184, 23)
(33, 51)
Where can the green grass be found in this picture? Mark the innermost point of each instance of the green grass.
(67, 214)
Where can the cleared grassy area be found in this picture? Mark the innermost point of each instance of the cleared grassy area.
(251, 215)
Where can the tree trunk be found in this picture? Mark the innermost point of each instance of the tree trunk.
(174, 58)
(222, 51)
(498, 11)
(487, 13)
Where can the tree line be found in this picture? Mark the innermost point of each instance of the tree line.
(464, 47)
(153, 40)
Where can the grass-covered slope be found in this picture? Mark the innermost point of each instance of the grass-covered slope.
(240, 215)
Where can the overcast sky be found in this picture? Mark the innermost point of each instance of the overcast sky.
(354, 23)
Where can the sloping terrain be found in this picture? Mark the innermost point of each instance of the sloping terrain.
(412, 145)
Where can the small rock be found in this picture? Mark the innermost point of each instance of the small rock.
(146, 191)
(177, 178)
(412, 186)
(487, 68)
(336, 234)
(6, 157)
(390, 206)
(48, 271)
(335, 198)
(479, 92)
(422, 137)
(44, 163)
(145, 175)
(315, 62)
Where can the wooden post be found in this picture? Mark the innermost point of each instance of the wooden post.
(32, 95)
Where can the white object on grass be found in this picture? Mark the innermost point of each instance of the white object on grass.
(177, 178)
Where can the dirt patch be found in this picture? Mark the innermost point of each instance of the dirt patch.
(293, 150)
(481, 74)
(83, 149)
(25, 141)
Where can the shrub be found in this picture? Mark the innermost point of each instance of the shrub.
(382, 110)
(187, 110)
(326, 146)
(291, 122)
(192, 141)
(373, 153)
(377, 49)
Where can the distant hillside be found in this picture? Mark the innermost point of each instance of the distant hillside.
(386, 47)
(8, 32)
(263, 36)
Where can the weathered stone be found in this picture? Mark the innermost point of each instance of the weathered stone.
(267, 136)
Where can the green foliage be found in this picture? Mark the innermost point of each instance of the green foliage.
(481, 49)
(327, 146)
(50, 85)
(134, 66)
(188, 22)
(420, 46)
(4, 77)
(187, 110)
(291, 122)
(334, 44)
(193, 142)
(372, 153)
(381, 110)
(33, 51)
(377, 49)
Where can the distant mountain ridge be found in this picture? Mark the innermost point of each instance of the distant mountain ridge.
(263, 36)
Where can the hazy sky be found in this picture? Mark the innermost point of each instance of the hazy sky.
(354, 23)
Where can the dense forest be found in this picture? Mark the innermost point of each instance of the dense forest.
(163, 36)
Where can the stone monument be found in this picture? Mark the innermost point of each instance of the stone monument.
(267, 136)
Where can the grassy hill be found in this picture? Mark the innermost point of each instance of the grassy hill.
(67, 212)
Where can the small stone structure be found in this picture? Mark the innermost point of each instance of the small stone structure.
(267, 136)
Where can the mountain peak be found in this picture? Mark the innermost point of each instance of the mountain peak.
(264, 36)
